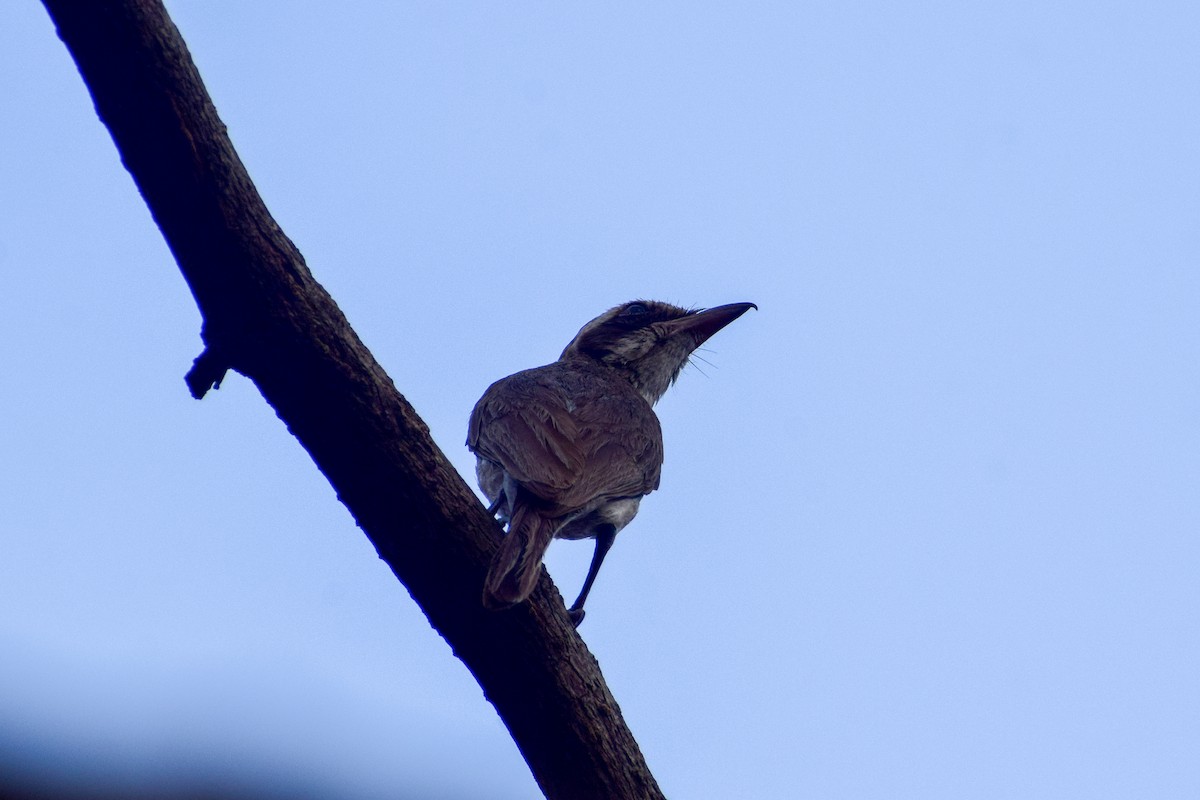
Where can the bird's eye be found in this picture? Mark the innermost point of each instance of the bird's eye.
(634, 308)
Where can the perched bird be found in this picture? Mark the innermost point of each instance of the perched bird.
(568, 450)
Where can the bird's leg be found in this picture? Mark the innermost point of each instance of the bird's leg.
(495, 506)
(605, 534)
(500, 508)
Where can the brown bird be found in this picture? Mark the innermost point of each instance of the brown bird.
(568, 450)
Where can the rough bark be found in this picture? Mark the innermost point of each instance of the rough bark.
(265, 317)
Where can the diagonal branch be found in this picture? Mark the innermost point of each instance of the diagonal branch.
(267, 318)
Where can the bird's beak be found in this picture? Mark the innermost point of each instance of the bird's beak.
(701, 325)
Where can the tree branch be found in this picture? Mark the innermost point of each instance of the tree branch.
(267, 318)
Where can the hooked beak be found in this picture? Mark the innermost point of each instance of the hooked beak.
(701, 325)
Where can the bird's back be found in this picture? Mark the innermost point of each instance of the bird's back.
(571, 433)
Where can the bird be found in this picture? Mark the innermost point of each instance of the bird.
(568, 450)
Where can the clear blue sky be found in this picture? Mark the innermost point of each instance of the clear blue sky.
(928, 520)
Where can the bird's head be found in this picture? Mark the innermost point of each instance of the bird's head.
(649, 342)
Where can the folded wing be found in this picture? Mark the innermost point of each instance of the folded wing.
(569, 437)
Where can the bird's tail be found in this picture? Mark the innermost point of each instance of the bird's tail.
(517, 563)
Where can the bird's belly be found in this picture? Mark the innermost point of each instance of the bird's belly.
(490, 477)
(617, 513)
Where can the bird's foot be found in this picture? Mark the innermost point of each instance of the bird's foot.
(576, 615)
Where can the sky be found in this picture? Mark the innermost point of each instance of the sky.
(928, 519)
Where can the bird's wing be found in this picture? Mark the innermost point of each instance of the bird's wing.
(568, 437)
(525, 426)
(622, 444)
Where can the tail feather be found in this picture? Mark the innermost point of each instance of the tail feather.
(517, 563)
